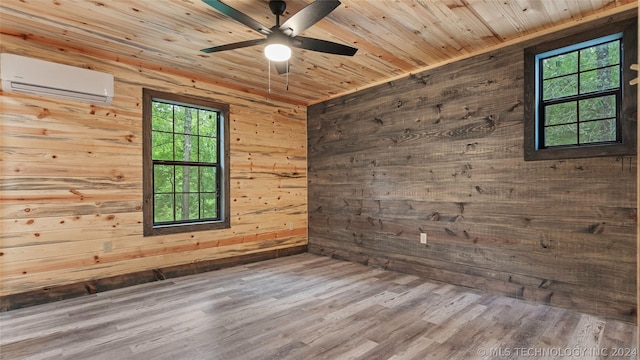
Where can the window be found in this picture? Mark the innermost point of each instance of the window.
(578, 101)
(185, 158)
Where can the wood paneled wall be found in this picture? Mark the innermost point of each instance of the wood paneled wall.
(441, 153)
(71, 186)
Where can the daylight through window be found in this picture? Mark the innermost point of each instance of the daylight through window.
(580, 93)
(186, 161)
(578, 100)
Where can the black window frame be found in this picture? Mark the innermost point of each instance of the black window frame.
(150, 228)
(625, 143)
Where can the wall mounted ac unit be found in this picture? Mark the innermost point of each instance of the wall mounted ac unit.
(44, 78)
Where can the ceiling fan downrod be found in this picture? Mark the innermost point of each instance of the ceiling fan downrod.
(277, 8)
(282, 37)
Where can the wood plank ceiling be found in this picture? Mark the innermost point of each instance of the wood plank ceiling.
(394, 37)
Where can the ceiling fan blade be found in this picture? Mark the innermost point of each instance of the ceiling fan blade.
(238, 16)
(282, 67)
(232, 46)
(309, 15)
(323, 46)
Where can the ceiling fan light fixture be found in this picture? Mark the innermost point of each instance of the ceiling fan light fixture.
(280, 38)
(277, 52)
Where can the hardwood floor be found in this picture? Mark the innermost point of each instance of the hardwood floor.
(305, 307)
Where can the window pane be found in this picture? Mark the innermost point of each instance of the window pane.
(180, 215)
(194, 148)
(187, 206)
(600, 56)
(178, 146)
(561, 113)
(598, 108)
(191, 117)
(208, 123)
(190, 148)
(560, 87)
(208, 179)
(161, 117)
(208, 150)
(178, 118)
(194, 206)
(183, 178)
(561, 135)
(601, 79)
(161, 146)
(193, 178)
(163, 207)
(209, 206)
(179, 178)
(186, 147)
(598, 131)
(560, 65)
(162, 179)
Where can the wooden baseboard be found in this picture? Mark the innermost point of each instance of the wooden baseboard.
(68, 291)
(599, 307)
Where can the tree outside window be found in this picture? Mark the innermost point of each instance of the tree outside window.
(577, 103)
(185, 158)
(580, 94)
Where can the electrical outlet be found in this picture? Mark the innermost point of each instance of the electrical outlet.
(290, 226)
(106, 246)
(423, 238)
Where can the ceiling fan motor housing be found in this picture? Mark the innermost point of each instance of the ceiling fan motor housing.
(277, 7)
(286, 35)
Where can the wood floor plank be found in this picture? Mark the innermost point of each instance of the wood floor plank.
(300, 307)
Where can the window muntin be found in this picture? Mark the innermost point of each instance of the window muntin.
(185, 158)
(185, 163)
(583, 112)
(579, 93)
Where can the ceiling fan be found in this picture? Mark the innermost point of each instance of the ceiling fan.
(280, 38)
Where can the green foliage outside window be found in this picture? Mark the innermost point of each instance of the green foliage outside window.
(580, 95)
(185, 155)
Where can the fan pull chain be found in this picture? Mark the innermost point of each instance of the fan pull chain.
(269, 84)
(287, 85)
